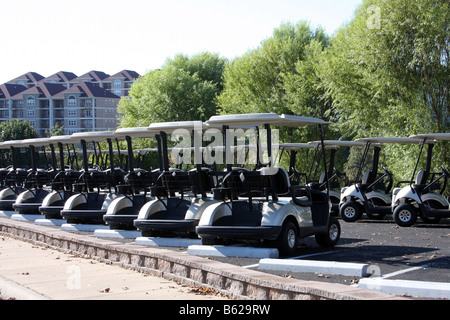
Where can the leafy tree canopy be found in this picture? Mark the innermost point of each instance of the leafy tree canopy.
(184, 88)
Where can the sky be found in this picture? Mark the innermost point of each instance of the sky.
(48, 36)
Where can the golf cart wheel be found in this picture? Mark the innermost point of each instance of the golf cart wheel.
(287, 240)
(331, 238)
(350, 211)
(405, 215)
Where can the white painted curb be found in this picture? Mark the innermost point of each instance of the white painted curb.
(50, 222)
(166, 242)
(7, 213)
(82, 227)
(233, 251)
(121, 234)
(436, 290)
(26, 217)
(312, 266)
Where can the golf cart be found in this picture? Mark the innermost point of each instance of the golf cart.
(419, 199)
(180, 196)
(373, 194)
(135, 189)
(336, 180)
(262, 205)
(320, 183)
(95, 185)
(66, 176)
(13, 181)
(36, 182)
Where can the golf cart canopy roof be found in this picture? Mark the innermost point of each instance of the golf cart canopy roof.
(259, 119)
(135, 132)
(295, 146)
(401, 140)
(37, 142)
(341, 143)
(94, 135)
(338, 143)
(10, 143)
(64, 139)
(171, 126)
(432, 136)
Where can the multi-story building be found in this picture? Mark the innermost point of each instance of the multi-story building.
(121, 82)
(85, 103)
(28, 80)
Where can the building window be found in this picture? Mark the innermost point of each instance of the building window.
(30, 113)
(31, 102)
(72, 123)
(32, 122)
(118, 92)
(72, 112)
(72, 101)
(117, 83)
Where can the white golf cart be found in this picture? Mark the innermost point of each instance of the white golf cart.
(36, 182)
(134, 192)
(180, 196)
(14, 178)
(419, 199)
(62, 182)
(262, 205)
(336, 179)
(96, 186)
(373, 195)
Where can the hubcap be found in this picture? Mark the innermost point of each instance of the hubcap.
(291, 238)
(349, 212)
(404, 215)
(334, 232)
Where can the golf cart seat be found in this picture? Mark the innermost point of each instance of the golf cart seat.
(244, 183)
(420, 178)
(366, 181)
(259, 183)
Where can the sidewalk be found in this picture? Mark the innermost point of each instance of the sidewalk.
(30, 272)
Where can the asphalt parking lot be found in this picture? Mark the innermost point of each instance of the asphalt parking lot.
(420, 253)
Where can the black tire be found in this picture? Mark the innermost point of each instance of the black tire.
(331, 238)
(405, 215)
(287, 240)
(350, 211)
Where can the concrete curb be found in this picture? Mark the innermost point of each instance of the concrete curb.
(166, 242)
(232, 251)
(312, 266)
(235, 281)
(435, 290)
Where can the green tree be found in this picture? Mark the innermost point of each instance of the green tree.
(279, 76)
(255, 82)
(387, 74)
(15, 129)
(185, 88)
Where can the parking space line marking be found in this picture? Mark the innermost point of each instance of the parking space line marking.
(311, 255)
(393, 274)
(291, 258)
